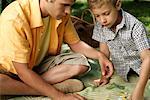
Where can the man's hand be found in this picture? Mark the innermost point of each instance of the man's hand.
(102, 81)
(70, 97)
(106, 66)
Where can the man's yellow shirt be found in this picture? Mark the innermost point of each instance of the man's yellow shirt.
(26, 37)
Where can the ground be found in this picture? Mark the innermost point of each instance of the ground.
(117, 89)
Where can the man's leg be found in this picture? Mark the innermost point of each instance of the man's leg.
(10, 86)
(64, 66)
(63, 72)
(73, 65)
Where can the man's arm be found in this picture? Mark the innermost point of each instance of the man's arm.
(90, 52)
(85, 49)
(104, 78)
(104, 49)
(138, 92)
(35, 81)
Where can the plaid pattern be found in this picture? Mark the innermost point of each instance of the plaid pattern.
(125, 44)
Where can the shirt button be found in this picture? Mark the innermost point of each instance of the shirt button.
(120, 47)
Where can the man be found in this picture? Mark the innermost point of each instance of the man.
(31, 34)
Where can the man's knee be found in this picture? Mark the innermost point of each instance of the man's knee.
(80, 69)
(3, 78)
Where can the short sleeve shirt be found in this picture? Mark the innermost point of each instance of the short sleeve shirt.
(125, 44)
(26, 37)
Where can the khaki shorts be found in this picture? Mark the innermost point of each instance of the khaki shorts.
(50, 62)
(65, 58)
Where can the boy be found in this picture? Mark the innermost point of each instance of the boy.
(123, 38)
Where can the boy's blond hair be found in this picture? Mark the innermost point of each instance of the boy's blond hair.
(98, 3)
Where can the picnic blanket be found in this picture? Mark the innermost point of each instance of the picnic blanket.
(116, 89)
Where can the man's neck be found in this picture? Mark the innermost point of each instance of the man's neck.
(42, 8)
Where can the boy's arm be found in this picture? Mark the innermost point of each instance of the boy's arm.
(35, 81)
(138, 93)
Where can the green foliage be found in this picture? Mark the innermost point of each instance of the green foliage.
(4, 3)
(140, 10)
(0, 6)
(9, 1)
(114, 85)
(78, 8)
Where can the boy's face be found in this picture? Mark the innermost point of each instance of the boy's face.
(107, 15)
(59, 8)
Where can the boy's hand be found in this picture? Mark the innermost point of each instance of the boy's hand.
(102, 81)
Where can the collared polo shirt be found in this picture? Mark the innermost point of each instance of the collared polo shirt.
(26, 37)
(125, 44)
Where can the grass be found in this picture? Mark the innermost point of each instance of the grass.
(140, 10)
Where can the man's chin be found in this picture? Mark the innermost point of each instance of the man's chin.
(59, 17)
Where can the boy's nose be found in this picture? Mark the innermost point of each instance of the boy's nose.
(103, 20)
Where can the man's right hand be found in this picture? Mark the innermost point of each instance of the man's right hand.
(101, 82)
(106, 66)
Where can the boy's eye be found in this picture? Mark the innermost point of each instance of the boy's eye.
(106, 13)
(96, 15)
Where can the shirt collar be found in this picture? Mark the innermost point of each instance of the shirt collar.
(35, 19)
(111, 35)
(123, 23)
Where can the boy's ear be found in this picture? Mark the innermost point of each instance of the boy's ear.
(118, 4)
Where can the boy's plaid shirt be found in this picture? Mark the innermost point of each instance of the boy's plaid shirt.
(125, 44)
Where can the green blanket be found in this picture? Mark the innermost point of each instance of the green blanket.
(117, 89)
